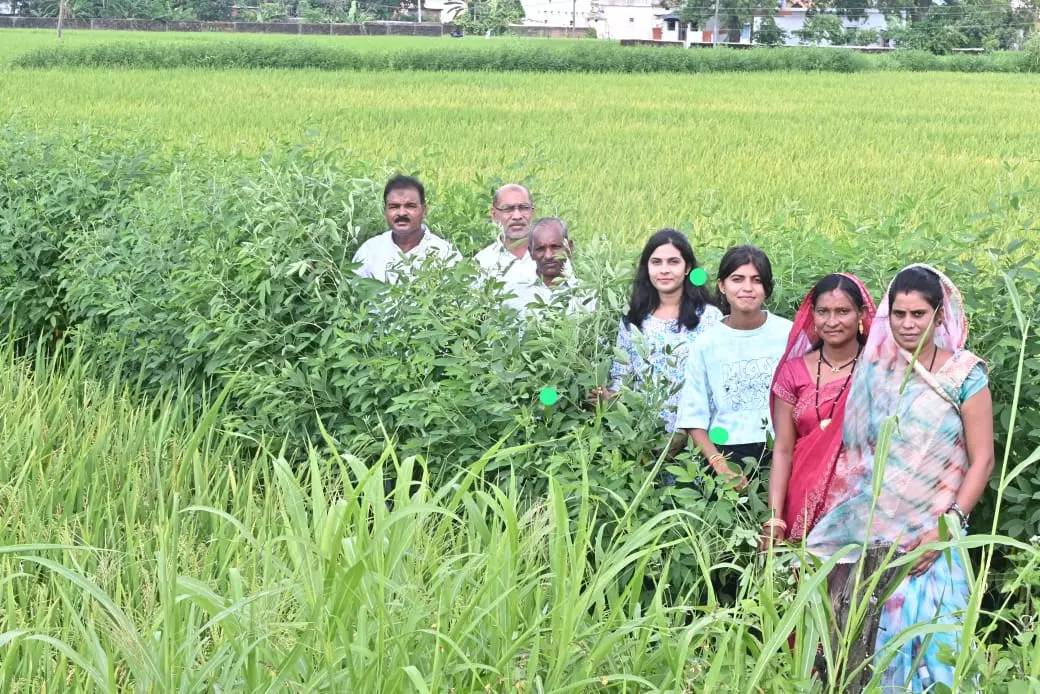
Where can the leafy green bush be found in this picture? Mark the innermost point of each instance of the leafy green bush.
(598, 56)
(1032, 50)
(234, 275)
(52, 191)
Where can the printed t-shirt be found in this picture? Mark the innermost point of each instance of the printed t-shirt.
(728, 377)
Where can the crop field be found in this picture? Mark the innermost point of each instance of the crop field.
(618, 154)
(207, 453)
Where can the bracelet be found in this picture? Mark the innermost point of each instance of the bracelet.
(961, 515)
(775, 523)
(717, 456)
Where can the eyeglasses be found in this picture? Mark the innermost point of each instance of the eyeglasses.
(510, 209)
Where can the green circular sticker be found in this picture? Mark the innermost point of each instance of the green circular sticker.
(698, 277)
(548, 396)
(718, 436)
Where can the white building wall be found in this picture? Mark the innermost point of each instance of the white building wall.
(556, 13)
(627, 19)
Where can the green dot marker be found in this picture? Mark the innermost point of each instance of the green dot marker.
(718, 436)
(548, 396)
(698, 277)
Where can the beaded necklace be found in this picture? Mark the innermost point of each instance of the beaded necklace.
(824, 423)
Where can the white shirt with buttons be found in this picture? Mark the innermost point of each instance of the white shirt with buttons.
(382, 259)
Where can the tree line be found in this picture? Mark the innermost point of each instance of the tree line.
(474, 16)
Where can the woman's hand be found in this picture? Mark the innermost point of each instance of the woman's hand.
(928, 558)
(738, 480)
(600, 395)
(678, 443)
(772, 535)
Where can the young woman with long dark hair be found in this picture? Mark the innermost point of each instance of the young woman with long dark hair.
(667, 312)
(724, 404)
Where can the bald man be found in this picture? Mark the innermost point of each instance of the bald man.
(507, 259)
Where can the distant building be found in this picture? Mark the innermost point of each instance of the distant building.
(647, 20)
(675, 29)
(792, 15)
(445, 11)
(557, 13)
(627, 19)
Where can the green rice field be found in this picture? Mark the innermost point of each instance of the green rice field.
(216, 476)
(618, 154)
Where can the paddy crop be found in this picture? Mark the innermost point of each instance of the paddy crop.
(619, 155)
(195, 461)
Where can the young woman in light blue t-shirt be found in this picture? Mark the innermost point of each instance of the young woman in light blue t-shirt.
(724, 403)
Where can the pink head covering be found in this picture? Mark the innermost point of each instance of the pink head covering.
(951, 334)
(815, 454)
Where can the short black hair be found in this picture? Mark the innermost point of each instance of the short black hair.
(917, 279)
(739, 256)
(402, 182)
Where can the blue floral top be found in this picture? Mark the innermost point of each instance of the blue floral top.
(657, 355)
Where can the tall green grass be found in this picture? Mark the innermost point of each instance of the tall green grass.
(142, 551)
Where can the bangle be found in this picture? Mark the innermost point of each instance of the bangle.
(717, 456)
(961, 515)
(775, 523)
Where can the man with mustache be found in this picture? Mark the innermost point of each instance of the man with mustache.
(394, 253)
(507, 259)
(550, 248)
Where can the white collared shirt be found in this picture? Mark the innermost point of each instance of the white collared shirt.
(496, 261)
(529, 297)
(382, 259)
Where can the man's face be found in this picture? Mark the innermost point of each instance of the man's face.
(404, 211)
(550, 250)
(513, 212)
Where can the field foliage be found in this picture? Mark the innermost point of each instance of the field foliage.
(598, 56)
(204, 413)
(149, 548)
(235, 275)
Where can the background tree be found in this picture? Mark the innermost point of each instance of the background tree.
(481, 16)
(733, 15)
(822, 28)
(769, 34)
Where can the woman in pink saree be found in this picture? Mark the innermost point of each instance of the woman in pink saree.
(809, 392)
(917, 446)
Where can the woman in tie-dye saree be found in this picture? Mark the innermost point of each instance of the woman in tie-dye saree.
(914, 368)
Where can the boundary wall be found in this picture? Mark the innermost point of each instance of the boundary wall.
(330, 29)
(308, 29)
